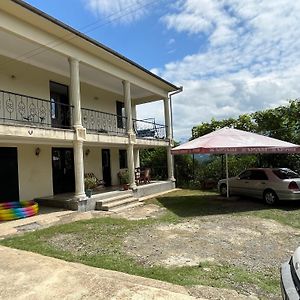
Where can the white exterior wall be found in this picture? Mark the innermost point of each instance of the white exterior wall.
(93, 162)
(35, 172)
(14, 78)
(97, 99)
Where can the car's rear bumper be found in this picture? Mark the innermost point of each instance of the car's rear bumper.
(288, 288)
(289, 195)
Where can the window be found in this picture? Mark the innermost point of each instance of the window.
(59, 105)
(285, 173)
(123, 159)
(120, 114)
(258, 175)
(245, 175)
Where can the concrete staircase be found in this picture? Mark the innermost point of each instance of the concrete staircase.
(117, 201)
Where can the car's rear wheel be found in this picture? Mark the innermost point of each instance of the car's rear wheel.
(270, 197)
(223, 190)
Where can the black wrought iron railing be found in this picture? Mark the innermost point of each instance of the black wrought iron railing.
(102, 122)
(23, 109)
(149, 129)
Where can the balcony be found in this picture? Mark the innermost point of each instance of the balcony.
(18, 109)
(105, 123)
(101, 122)
(149, 129)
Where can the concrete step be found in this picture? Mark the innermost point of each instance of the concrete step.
(108, 195)
(125, 207)
(114, 204)
(115, 199)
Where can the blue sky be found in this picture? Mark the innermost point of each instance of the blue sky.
(231, 56)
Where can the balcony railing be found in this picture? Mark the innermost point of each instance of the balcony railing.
(149, 129)
(19, 109)
(23, 109)
(101, 122)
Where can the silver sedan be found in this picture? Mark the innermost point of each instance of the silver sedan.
(269, 184)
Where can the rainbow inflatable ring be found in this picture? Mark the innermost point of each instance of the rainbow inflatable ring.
(18, 210)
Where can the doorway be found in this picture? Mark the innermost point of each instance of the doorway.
(106, 167)
(9, 178)
(63, 170)
(60, 108)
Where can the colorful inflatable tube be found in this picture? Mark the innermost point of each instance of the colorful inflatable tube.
(17, 210)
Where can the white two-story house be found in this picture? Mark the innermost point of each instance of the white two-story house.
(68, 107)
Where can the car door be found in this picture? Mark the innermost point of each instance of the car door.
(240, 184)
(257, 183)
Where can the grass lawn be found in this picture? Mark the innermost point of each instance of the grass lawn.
(98, 242)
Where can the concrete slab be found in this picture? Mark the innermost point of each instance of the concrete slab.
(47, 217)
(26, 275)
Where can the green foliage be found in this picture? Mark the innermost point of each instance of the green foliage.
(156, 159)
(90, 183)
(124, 176)
(214, 168)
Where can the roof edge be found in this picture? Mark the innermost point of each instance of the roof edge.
(91, 40)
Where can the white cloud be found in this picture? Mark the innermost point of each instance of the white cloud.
(122, 11)
(251, 61)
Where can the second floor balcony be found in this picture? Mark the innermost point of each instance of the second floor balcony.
(24, 110)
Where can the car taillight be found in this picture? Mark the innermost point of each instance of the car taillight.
(293, 186)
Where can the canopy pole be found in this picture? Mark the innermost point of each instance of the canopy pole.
(227, 181)
(193, 166)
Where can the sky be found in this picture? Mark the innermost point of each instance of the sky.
(230, 56)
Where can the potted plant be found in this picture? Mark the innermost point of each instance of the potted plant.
(89, 184)
(124, 179)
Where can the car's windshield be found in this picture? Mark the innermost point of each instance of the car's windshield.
(285, 174)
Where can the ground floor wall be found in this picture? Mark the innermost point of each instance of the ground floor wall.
(93, 162)
(35, 171)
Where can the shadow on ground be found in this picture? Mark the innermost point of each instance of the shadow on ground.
(204, 205)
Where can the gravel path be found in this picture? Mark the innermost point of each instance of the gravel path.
(249, 242)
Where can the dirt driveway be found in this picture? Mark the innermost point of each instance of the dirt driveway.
(248, 242)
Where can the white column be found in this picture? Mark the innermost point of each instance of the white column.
(79, 170)
(127, 106)
(131, 135)
(168, 118)
(75, 91)
(169, 137)
(136, 153)
(79, 130)
(130, 162)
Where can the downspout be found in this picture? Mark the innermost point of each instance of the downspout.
(170, 97)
